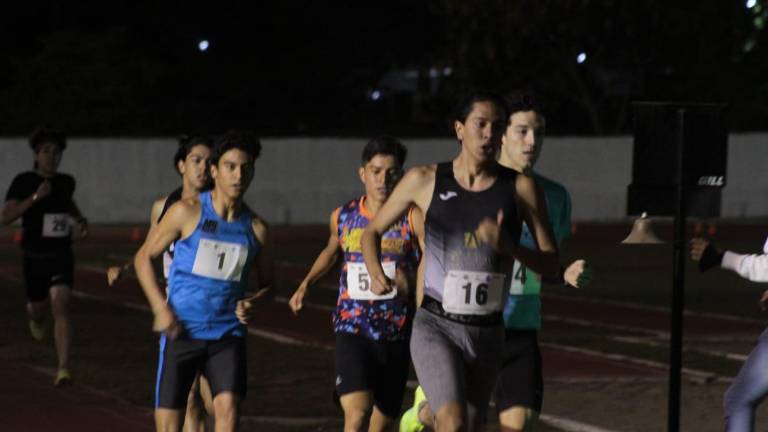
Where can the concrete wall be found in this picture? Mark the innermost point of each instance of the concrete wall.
(301, 180)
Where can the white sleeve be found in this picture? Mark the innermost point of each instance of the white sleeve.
(752, 267)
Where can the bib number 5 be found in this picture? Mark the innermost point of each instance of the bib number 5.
(359, 281)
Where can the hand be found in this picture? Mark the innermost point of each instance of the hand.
(165, 322)
(43, 190)
(698, 246)
(114, 274)
(494, 235)
(401, 283)
(763, 302)
(381, 284)
(245, 309)
(82, 228)
(297, 299)
(578, 274)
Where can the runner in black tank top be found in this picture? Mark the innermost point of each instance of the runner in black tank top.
(43, 199)
(190, 161)
(473, 210)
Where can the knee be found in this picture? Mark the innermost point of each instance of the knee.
(736, 398)
(354, 418)
(517, 418)
(225, 408)
(451, 421)
(60, 302)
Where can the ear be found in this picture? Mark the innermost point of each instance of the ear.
(361, 173)
(214, 171)
(180, 167)
(458, 127)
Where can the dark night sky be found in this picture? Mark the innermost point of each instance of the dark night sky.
(308, 67)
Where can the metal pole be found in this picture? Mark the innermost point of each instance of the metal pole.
(678, 286)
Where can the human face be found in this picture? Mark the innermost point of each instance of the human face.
(480, 134)
(48, 157)
(193, 168)
(233, 174)
(380, 175)
(523, 140)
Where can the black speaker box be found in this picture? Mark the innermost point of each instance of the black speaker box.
(658, 129)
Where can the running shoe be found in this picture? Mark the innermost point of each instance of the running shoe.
(63, 378)
(410, 422)
(37, 328)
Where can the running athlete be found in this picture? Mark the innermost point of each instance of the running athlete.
(473, 208)
(519, 387)
(43, 199)
(191, 162)
(520, 384)
(372, 331)
(750, 386)
(202, 320)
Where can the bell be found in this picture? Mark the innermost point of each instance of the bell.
(642, 232)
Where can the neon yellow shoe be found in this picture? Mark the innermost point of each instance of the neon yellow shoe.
(37, 328)
(410, 422)
(63, 378)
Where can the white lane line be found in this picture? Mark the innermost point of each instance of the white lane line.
(569, 425)
(587, 323)
(693, 375)
(652, 343)
(644, 307)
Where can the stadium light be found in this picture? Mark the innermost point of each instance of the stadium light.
(581, 58)
(751, 4)
(203, 45)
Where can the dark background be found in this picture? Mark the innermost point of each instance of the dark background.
(362, 68)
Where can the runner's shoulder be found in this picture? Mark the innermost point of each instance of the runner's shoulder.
(552, 188)
(421, 174)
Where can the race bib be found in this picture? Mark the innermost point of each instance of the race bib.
(56, 225)
(524, 281)
(220, 260)
(473, 293)
(359, 282)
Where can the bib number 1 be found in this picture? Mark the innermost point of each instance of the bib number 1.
(220, 260)
(359, 281)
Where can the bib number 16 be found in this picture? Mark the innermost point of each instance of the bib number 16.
(473, 293)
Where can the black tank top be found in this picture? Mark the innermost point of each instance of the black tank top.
(471, 271)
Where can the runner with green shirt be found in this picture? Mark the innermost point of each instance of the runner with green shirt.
(519, 386)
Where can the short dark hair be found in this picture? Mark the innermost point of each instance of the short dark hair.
(186, 143)
(522, 101)
(465, 106)
(246, 141)
(45, 134)
(385, 145)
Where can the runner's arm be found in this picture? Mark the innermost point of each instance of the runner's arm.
(115, 273)
(749, 266)
(323, 263)
(417, 219)
(168, 230)
(412, 189)
(533, 210)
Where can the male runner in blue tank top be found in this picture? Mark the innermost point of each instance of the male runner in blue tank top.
(191, 162)
(520, 385)
(203, 318)
(372, 331)
(473, 208)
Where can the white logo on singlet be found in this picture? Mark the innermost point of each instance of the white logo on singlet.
(448, 195)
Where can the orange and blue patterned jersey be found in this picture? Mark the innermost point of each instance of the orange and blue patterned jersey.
(356, 313)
